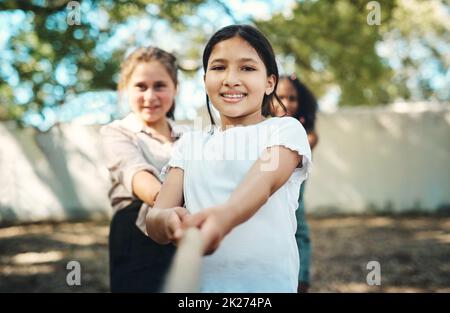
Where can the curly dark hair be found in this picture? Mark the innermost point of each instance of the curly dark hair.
(306, 102)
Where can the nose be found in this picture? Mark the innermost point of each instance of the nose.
(149, 94)
(231, 78)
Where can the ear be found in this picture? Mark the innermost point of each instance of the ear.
(270, 86)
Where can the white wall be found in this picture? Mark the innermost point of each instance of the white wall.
(54, 175)
(381, 161)
(366, 161)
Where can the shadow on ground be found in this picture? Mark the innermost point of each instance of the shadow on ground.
(34, 257)
(413, 252)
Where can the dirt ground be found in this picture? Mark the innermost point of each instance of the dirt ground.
(413, 252)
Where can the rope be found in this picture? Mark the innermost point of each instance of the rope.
(184, 273)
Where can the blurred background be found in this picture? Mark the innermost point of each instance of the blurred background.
(380, 187)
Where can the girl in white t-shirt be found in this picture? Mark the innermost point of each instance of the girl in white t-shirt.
(239, 183)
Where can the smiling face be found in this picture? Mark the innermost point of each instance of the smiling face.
(236, 81)
(288, 95)
(151, 92)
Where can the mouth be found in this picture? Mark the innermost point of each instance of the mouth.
(151, 108)
(232, 97)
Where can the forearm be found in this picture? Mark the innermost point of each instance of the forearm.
(265, 177)
(170, 196)
(244, 202)
(259, 184)
(146, 186)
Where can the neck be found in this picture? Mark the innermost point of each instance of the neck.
(160, 129)
(254, 118)
(160, 126)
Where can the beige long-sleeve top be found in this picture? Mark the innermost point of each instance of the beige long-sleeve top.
(129, 148)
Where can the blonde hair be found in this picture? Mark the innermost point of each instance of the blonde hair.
(148, 54)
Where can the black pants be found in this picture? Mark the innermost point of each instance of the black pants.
(137, 263)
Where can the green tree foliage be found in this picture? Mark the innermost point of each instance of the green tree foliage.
(333, 45)
(51, 44)
(418, 35)
(331, 42)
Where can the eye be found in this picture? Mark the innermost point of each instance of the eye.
(217, 68)
(248, 68)
(160, 85)
(292, 98)
(140, 86)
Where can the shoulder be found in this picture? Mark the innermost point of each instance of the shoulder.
(109, 128)
(112, 127)
(275, 120)
(129, 123)
(193, 136)
(286, 123)
(115, 129)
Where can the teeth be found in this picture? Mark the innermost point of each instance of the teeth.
(234, 96)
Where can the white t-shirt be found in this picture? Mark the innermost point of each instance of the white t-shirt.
(261, 254)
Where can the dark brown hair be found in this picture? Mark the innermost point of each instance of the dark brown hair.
(262, 46)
